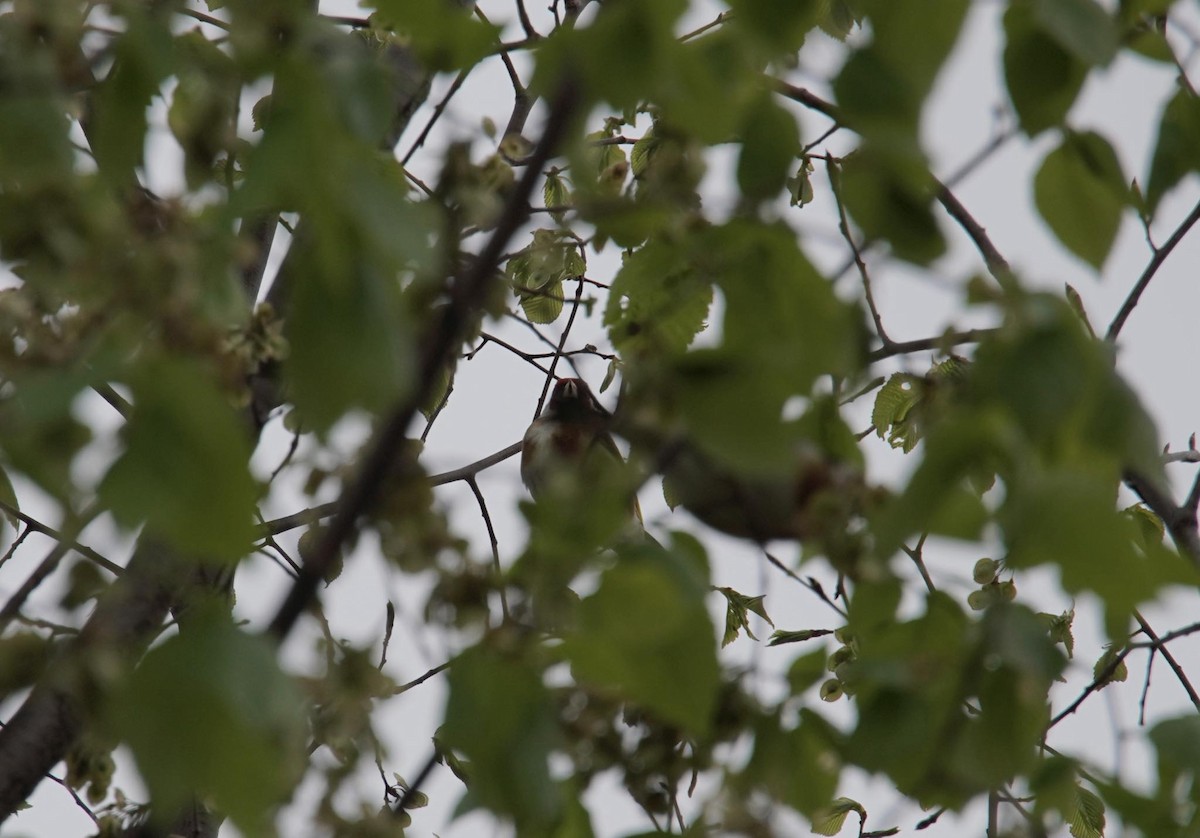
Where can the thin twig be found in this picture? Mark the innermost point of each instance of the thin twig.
(416, 682)
(438, 110)
(997, 265)
(487, 519)
(831, 169)
(809, 583)
(558, 350)
(904, 347)
(1160, 647)
(325, 510)
(486, 338)
(1160, 256)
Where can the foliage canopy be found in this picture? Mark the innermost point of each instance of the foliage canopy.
(227, 240)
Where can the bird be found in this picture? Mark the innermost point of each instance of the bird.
(568, 448)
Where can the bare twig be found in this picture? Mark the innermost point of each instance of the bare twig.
(904, 347)
(47, 565)
(82, 549)
(1160, 647)
(558, 350)
(1156, 261)
(325, 510)
(491, 531)
(438, 110)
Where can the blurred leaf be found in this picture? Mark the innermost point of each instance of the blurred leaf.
(883, 86)
(805, 670)
(350, 341)
(770, 144)
(779, 26)
(143, 58)
(1178, 742)
(888, 194)
(1082, 27)
(665, 660)
(501, 717)
(1177, 152)
(658, 303)
(184, 468)
(1080, 191)
(446, 37)
(1076, 303)
(798, 765)
(620, 58)
(782, 328)
(830, 819)
(237, 724)
(9, 496)
(1043, 78)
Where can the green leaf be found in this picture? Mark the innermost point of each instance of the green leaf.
(658, 303)
(537, 273)
(782, 328)
(892, 405)
(1076, 303)
(555, 192)
(1178, 742)
(842, 17)
(805, 670)
(798, 765)
(502, 719)
(1087, 816)
(883, 86)
(737, 614)
(237, 722)
(1081, 27)
(445, 37)
(888, 193)
(770, 144)
(1066, 517)
(830, 819)
(1043, 78)
(184, 468)
(9, 496)
(665, 659)
(1177, 152)
(781, 27)
(621, 58)
(143, 59)
(349, 337)
(1080, 191)
(780, 637)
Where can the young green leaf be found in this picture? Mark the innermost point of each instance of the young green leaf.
(1081, 192)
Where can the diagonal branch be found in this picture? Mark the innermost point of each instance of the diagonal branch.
(465, 295)
(1160, 256)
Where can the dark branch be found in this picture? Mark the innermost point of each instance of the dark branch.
(464, 294)
(1160, 256)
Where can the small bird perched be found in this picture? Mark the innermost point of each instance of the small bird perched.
(569, 446)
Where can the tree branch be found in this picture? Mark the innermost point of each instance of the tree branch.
(1160, 256)
(464, 296)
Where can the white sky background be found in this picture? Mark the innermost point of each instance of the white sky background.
(495, 395)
